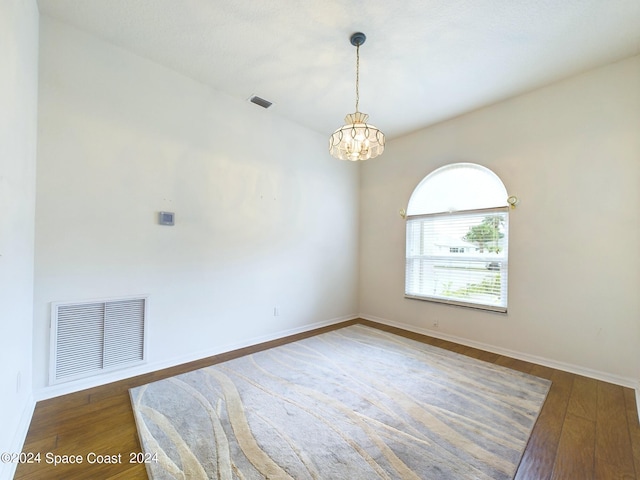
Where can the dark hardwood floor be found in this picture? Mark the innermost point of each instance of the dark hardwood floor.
(588, 429)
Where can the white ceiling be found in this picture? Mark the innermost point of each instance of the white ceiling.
(424, 60)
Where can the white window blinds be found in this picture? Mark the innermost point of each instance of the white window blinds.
(459, 258)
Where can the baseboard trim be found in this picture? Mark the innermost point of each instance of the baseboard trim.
(8, 470)
(83, 384)
(547, 362)
(638, 399)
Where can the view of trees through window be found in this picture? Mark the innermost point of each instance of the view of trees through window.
(486, 234)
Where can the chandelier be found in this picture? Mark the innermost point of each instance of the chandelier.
(356, 140)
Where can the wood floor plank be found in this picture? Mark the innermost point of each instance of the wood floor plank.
(514, 364)
(539, 456)
(634, 426)
(58, 420)
(576, 449)
(44, 443)
(583, 400)
(613, 454)
(542, 371)
(92, 437)
(457, 348)
(136, 472)
(486, 356)
(101, 420)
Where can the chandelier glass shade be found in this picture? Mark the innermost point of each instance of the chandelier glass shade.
(356, 139)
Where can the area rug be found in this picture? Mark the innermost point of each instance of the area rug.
(354, 403)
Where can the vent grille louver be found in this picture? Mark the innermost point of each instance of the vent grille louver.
(260, 101)
(90, 338)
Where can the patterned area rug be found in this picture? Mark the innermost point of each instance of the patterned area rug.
(354, 403)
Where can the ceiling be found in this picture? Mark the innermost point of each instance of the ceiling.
(424, 60)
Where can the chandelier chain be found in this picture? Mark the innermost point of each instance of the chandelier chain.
(357, 76)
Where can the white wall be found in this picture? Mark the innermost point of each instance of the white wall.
(264, 216)
(18, 121)
(571, 153)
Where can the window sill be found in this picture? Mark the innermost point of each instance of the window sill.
(457, 303)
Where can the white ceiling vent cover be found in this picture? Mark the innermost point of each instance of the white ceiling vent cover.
(94, 337)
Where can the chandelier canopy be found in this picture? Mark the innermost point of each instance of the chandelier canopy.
(356, 139)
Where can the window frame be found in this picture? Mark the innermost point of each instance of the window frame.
(448, 257)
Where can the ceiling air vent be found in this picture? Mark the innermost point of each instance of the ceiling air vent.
(260, 101)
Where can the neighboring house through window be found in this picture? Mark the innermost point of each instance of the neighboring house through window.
(457, 238)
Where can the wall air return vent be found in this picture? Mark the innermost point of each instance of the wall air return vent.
(94, 337)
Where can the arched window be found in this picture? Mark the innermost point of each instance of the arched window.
(457, 238)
